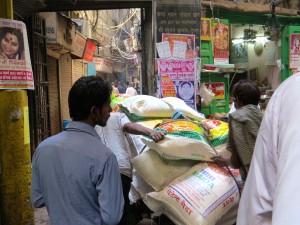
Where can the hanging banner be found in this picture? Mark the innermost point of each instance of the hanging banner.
(89, 51)
(189, 39)
(15, 63)
(220, 43)
(294, 51)
(178, 79)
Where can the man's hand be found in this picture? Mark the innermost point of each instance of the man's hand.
(220, 160)
(157, 135)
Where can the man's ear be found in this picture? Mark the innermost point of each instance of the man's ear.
(95, 111)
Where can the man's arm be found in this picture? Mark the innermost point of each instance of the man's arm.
(110, 192)
(134, 128)
(36, 196)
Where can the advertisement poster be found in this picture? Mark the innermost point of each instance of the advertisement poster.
(218, 88)
(189, 39)
(220, 43)
(15, 63)
(205, 29)
(178, 79)
(294, 51)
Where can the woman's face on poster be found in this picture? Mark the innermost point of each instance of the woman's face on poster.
(10, 45)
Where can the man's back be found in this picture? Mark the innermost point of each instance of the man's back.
(114, 138)
(75, 178)
(271, 193)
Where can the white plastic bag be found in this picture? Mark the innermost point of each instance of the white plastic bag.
(206, 95)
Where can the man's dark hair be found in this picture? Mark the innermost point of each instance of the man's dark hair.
(246, 92)
(86, 93)
(186, 82)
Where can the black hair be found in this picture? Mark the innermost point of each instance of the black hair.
(186, 82)
(86, 93)
(16, 32)
(246, 92)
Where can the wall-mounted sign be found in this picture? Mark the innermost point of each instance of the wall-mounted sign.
(89, 51)
(78, 45)
(104, 65)
(179, 19)
(15, 63)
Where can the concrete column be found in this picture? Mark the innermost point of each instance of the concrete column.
(15, 156)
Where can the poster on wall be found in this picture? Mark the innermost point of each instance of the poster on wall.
(294, 51)
(15, 63)
(239, 54)
(189, 39)
(177, 78)
(220, 33)
(205, 29)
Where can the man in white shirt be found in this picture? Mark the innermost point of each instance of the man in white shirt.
(271, 194)
(113, 136)
(130, 90)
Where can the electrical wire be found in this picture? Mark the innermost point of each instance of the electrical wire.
(114, 28)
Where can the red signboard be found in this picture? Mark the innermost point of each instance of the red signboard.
(89, 51)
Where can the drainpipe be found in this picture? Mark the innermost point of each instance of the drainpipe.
(15, 161)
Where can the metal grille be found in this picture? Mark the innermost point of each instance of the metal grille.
(23, 9)
(39, 98)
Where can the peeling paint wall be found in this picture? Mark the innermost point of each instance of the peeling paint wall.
(15, 161)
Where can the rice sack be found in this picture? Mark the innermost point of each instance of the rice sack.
(157, 171)
(219, 131)
(183, 140)
(179, 104)
(199, 197)
(141, 107)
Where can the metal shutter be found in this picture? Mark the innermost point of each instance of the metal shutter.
(78, 68)
(65, 80)
(55, 119)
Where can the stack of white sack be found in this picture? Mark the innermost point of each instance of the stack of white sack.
(159, 165)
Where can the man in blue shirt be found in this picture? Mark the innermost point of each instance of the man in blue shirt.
(73, 173)
(121, 88)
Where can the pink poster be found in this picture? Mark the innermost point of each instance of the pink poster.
(15, 63)
(178, 79)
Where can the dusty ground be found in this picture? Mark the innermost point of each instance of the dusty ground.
(41, 218)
